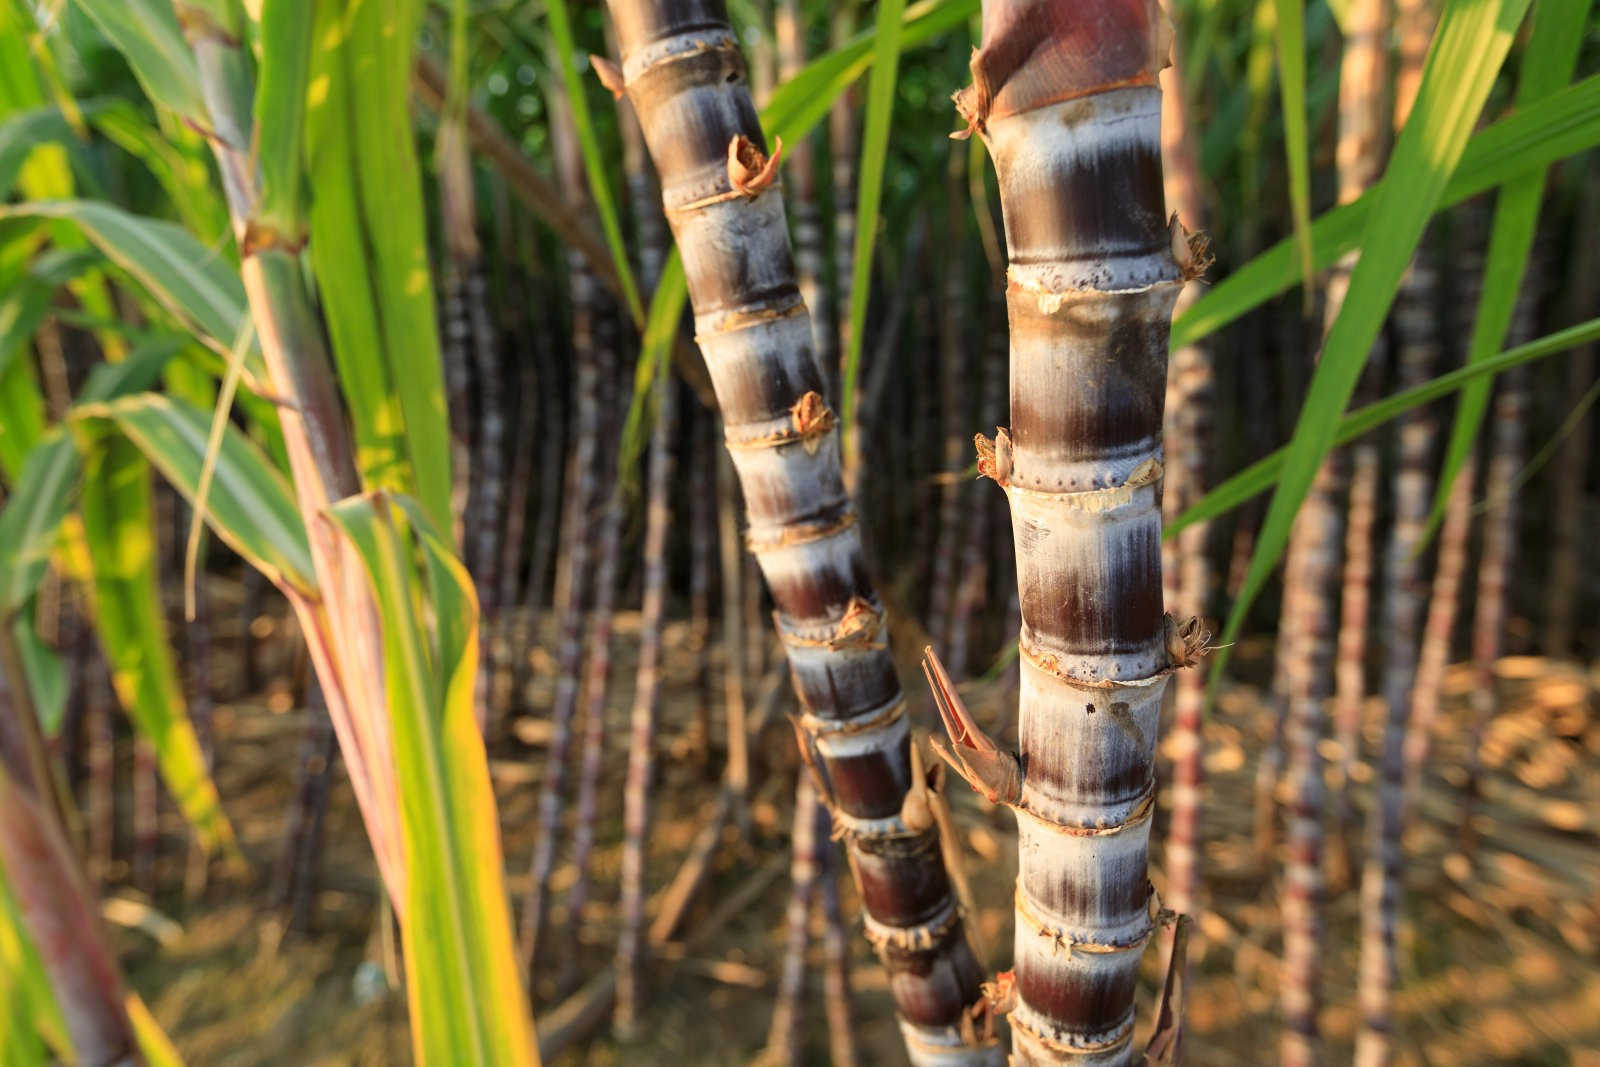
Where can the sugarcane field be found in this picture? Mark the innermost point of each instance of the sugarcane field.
(775, 532)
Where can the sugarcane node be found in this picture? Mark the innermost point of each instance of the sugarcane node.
(992, 771)
(261, 237)
(749, 170)
(609, 73)
(198, 25)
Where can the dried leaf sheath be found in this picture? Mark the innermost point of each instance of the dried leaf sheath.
(686, 78)
(1065, 98)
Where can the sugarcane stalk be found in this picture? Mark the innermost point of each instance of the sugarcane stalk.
(146, 815)
(581, 500)
(1563, 593)
(1507, 450)
(686, 78)
(844, 146)
(1444, 602)
(1188, 443)
(592, 703)
(1065, 97)
(60, 914)
(646, 702)
(842, 1046)
(975, 568)
(733, 636)
(786, 1034)
(1311, 580)
(1350, 646)
(951, 417)
(1416, 332)
(316, 437)
(1382, 882)
(703, 521)
(800, 176)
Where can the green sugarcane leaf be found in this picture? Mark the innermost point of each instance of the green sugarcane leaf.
(1263, 474)
(30, 521)
(595, 162)
(1471, 43)
(44, 673)
(1547, 65)
(1563, 124)
(1291, 41)
(195, 284)
(869, 197)
(467, 1002)
(655, 356)
(31, 1027)
(285, 40)
(118, 533)
(370, 252)
(154, 1044)
(146, 32)
(30, 524)
(22, 414)
(24, 131)
(250, 504)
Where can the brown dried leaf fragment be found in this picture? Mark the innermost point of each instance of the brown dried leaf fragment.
(1191, 251)
(609, 73)
(748, 170)
(973, 102)
(994, 457)
(973, 754)
(1163, 1049)
(812, 420)
(808, 754)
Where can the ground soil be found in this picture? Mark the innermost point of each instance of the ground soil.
(1500, 948)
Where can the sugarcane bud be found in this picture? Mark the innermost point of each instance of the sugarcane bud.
(860, 622)
(916, 811)
(609, 73)
(1001, 994)
(1191, 251)
(812, 420)
(1187, 641)
(994, 457)
(748, 170)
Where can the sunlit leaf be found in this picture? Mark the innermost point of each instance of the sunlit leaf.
(1471, 43)
(467, 1002)
(1547, 65)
